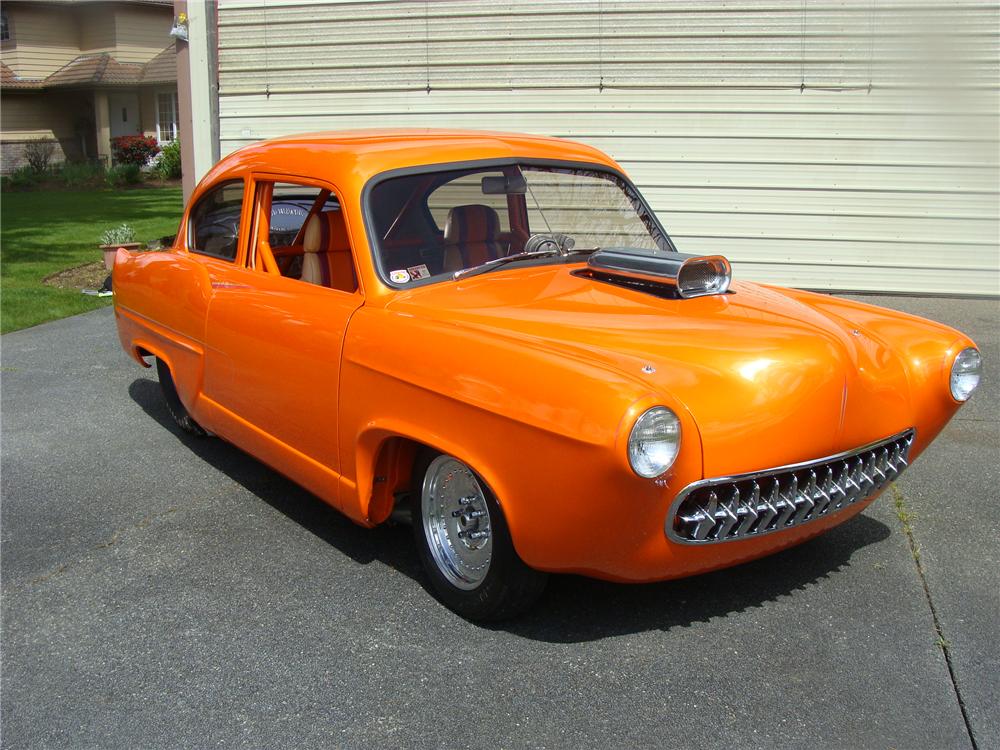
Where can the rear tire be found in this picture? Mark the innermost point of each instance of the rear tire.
(465, 546)
(180, 415)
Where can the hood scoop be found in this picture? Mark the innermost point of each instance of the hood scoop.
(669, 275)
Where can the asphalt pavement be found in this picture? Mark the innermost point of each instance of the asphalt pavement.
(160, 591)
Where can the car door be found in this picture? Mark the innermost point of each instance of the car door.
(274, 341)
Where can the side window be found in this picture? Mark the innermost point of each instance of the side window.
(465, 191)
(290, 206)
(308, 236)
(214, 224)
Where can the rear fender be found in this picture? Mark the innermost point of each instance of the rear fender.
(154, 320)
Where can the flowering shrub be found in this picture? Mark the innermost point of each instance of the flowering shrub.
(134, 149)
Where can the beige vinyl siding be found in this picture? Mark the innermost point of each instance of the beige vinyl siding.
(836, 145)
(97, 29)
(28, 115)
(140, 33)
(45, 37)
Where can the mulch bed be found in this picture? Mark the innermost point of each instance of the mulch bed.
(87, 276)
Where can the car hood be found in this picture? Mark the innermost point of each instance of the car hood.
(767, 378)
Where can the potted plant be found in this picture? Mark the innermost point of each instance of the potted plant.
(114, 238)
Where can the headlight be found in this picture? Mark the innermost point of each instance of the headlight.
(654, 442)
(965, 373)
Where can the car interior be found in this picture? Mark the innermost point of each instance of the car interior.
(441, 222)
(440, 228)
(425, 224)
(444, 222)
(307, 237)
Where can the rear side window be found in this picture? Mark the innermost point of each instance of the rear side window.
(215, 221)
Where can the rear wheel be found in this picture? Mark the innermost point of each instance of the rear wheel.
(180, 415)
(465, 546)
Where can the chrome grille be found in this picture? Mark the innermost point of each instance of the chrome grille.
(749, 505)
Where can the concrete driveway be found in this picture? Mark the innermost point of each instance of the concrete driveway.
(160, 591)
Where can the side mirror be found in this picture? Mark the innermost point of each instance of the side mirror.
(497, 185)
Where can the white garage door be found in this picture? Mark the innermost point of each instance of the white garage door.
(827, 145)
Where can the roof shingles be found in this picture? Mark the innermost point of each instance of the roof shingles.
(100, 70)
(10, 80)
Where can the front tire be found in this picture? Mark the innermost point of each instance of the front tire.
(465, 546)
(180, 415)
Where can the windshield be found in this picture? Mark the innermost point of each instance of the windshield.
(430, 225)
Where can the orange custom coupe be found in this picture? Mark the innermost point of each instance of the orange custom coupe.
(493, 336)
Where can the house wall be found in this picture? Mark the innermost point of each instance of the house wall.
(141, 32)
(843, 145)
(65, 117)
(97, 29)
(46, 37)
(49, 35)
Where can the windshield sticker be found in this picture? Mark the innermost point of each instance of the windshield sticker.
(419, 272)
(399, 277)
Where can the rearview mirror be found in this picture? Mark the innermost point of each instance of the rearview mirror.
(497, 185)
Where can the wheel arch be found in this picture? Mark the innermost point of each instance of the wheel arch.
(386, 454)
(139, 352)
(182, 368)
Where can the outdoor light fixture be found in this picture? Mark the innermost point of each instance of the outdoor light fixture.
(180, 28)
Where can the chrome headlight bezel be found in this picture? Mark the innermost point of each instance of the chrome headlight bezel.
(966, 372)
(654, 442)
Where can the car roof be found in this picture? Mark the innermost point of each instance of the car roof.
(362, 154)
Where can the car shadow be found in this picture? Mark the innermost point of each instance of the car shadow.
(573, 608)
(577, 609)
(363, 546)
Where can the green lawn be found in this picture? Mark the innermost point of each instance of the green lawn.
(45, 232)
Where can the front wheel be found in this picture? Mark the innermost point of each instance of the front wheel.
(465, 546)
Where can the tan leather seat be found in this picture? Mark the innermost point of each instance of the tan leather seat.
(471, 237)
(312, 244)
(326, 259)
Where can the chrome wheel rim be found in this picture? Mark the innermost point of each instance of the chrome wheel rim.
(456, 522)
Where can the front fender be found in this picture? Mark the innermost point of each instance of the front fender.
(925, 348)
(542, 429)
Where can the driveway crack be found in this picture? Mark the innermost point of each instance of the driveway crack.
(904, 515)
